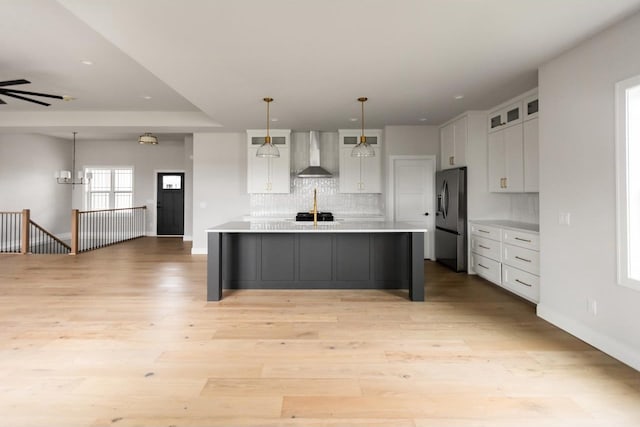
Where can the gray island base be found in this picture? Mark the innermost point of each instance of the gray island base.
(282, 255)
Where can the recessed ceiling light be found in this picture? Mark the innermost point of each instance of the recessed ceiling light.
(87, 62)
(274, 119)
(146, 97)
(353, 119)
(458, 97)
(423, 119)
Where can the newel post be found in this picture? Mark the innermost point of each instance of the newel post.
(74, 231)
(24, 238)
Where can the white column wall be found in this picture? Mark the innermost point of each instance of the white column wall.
(219, 182)
(577, 175)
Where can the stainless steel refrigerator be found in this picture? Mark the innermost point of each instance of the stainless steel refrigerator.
(451, 218)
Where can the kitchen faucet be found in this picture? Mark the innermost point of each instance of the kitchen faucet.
(315, 207)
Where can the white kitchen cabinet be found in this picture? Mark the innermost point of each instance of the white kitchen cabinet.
(513, 146)
(505, 152)
(507, 255)
(505, 116)
(360, 175)
(269, 175)
(453, 144)
(530, 106)
(531, 156)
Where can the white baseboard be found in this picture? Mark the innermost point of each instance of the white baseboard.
(187, 238)
(198, 251)
(612, 347)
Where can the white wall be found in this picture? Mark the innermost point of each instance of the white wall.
(577, 175)
(188, 192)
(147, 161)
(219, 182)
(28, 163)
(408, 140)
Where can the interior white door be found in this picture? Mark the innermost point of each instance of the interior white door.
(413, 181)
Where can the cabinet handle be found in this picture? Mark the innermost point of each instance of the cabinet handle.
(523, 240)
(522, 259)
(480, 265)
(483, 231)
(483, 247)
(523, 283)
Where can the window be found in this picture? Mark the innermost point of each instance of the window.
(109, 188)
(628, 180)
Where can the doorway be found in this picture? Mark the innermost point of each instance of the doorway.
(170, 204)
(412, 195)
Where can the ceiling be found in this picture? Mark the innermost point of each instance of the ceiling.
(214, 60)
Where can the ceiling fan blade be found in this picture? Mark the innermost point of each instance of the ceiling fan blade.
(35, 101)
(24, 92)
(14, 82)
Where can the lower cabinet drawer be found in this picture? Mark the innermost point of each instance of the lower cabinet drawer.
(521, 258)
(525, 284)
(486, 268)
(485, 231)
(485, 247)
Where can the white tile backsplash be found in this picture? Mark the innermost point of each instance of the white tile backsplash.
(525, 207)
(301, 199)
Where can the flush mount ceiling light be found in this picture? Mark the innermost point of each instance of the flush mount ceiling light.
(67, 177)
(148, 138)
(267, 149)
(362, 149)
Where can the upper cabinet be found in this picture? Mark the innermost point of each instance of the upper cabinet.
(506, 116)
(453, 144)
(360, 175)
(269, 175)
(513, 145)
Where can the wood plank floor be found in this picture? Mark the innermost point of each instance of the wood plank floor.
(123, 336)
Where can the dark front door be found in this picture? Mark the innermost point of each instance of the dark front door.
(170, 208)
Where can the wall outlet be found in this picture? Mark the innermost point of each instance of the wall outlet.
(592, 306)
(564, 218)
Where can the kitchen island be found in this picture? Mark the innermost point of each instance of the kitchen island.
(335, 255)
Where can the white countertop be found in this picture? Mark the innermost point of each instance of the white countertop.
(308, 227)
(291, 217)
(514, 225)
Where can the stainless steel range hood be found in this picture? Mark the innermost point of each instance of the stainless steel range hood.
(314, 170)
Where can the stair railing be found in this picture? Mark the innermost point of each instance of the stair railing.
(19, 234)
(96, 229)
(11, 232)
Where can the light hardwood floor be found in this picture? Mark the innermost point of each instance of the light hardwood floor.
(123, 336)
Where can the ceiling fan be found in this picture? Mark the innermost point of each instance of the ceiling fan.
(14, 93)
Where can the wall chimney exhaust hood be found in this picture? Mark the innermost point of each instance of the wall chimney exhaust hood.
(314, 170)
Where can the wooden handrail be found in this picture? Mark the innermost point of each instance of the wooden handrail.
(114, 210)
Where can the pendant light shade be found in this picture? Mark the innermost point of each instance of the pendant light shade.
(363, 149)
(267, 149)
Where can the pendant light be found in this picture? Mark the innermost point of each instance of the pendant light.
(267, 149)
(362, 149)
(67, 177)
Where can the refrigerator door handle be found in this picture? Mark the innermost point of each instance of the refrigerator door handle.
(445, 193)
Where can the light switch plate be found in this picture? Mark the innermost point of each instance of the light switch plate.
(564, 218)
